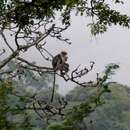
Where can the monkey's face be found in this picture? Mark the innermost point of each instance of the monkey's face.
(66, 58)
(64, 55)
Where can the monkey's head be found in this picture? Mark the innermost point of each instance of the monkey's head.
(64, 54)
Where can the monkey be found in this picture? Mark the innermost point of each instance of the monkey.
(65, 69)
(59, 61)
(59, 64)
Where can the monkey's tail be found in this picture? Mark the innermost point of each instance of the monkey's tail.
(53, 89)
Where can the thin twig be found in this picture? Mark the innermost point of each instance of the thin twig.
(3, 36)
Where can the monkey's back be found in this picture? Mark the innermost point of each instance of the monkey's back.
(57, 60)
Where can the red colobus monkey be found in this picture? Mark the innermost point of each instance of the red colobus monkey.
(59, 64)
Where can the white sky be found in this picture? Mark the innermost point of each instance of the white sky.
(111, 47)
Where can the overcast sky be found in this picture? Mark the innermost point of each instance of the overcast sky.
(111, 47)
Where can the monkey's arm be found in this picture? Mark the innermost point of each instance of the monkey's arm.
(57, 60)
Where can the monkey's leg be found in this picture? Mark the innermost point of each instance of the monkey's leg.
(53, 89)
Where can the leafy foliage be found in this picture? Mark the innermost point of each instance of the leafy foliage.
(16, 98)
(24, 13)
(21, 109)
(114, 114)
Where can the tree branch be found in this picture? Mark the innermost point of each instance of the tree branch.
(25, 47)
(6, 42)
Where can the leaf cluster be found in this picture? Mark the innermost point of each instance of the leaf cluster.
(24, 13)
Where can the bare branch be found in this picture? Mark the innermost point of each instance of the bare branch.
(16, 37)
(42, 50)
(76, 74)
(3, 36)
(9, 58)
(3, 51)
(33, 65)
(25, 47)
